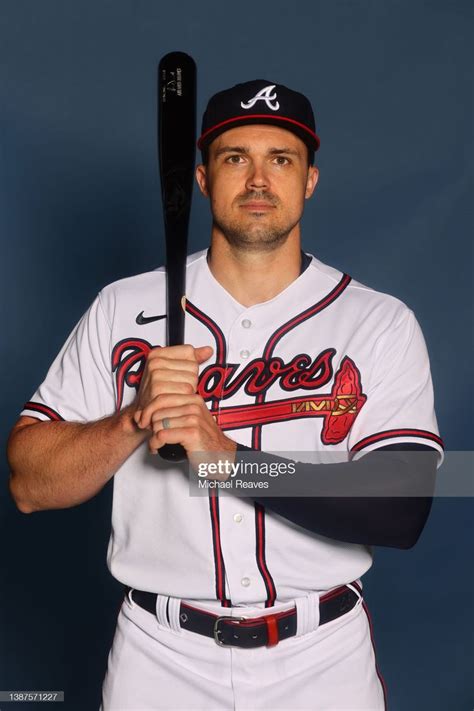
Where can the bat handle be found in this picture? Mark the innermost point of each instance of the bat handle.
(173, 453)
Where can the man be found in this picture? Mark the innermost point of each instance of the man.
(234, 602)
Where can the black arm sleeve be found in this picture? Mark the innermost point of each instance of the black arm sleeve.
(392, 513)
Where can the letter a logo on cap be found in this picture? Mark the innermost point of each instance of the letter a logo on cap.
(263, 95)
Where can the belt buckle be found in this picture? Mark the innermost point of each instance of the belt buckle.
(217, 631)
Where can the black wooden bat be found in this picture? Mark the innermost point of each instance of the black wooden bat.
(176, 153)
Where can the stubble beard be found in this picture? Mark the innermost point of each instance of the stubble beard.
(250, 236)
(258, 238)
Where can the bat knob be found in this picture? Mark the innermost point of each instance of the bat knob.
(173, 453)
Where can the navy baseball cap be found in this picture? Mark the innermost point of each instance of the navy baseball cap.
(256, 102)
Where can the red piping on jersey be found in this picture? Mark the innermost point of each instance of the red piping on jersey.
(381, 679)
(260, 398)
(390, 434)
(286, 327)
(44, 409)
(218, 337)
(261, 562)
(312, 311)
(218, 558)
(221, 354)
(258, 116)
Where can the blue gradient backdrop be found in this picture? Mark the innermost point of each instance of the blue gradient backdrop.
(391, 82)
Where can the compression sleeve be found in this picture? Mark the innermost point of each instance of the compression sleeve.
(385, 507)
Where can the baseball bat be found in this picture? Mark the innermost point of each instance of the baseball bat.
(176, 154)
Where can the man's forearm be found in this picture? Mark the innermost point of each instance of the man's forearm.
(61, 464)
(389, 495)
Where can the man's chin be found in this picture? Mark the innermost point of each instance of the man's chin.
(254, 235)
(256, 242)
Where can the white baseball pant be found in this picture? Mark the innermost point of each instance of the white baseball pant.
(154, 665)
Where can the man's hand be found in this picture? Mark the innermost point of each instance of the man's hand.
(168, 393)
(189, 423)
(171, 370)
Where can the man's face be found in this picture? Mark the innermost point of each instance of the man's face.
(257, 179)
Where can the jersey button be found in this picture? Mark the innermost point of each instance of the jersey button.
(246, 323)
(245, 582)
(238, 518)
(244, 353)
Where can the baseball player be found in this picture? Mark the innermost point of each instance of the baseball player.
(231, 601)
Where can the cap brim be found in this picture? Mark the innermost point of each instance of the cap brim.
(307, 135)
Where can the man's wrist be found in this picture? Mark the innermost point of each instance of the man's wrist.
(229, 449)
(217, 461)
(129, 426)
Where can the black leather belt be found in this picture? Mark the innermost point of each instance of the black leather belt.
(266, 630)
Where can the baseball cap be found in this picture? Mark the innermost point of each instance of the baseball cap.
(259, 102)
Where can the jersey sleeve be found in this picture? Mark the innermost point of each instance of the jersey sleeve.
(400, 402)
(79, 384)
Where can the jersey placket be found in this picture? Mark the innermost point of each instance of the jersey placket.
(240, 538)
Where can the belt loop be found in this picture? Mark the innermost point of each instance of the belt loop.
(173, 613)
(357, 592)
(161, 610)
(130, 598)
(307, 613)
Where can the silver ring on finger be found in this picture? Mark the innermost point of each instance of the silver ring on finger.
(166, 423)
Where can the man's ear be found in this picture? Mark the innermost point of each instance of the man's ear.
(311, 181)
(201, 177)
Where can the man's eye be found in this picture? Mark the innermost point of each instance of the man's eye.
(281, 160)
(234, 159)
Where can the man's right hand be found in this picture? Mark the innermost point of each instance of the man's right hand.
(168, 370)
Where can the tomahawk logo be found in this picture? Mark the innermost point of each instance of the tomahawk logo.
(265, 95)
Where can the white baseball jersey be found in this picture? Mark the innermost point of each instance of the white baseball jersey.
(327, 365)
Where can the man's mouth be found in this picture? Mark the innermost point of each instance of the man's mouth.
(257, 206)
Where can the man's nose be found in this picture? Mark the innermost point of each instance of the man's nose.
(257, 177)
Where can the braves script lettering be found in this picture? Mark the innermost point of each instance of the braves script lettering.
(217, 381)
(338, 408)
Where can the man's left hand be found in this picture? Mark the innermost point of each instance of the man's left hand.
(189, 423)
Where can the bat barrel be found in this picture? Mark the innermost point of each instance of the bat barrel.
(176, 153)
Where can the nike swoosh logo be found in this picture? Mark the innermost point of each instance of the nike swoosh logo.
(142, 320)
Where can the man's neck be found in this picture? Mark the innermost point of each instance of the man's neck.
(254, 277)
